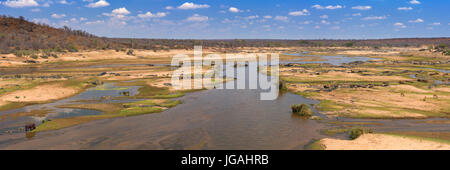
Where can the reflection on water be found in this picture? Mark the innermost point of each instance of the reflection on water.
(333, 60)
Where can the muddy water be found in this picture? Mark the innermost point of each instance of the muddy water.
(212, 119)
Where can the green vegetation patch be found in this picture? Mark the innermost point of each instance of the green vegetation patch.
(301, 109)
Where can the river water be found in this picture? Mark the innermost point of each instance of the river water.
(209, 119)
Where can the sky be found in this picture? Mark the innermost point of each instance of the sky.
(242, 19)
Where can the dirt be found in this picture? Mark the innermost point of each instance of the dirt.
(39, 94)
(383, 142)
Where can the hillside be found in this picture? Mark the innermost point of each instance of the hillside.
(20, 34)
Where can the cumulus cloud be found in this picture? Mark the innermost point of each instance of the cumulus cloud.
(58, 16)
(233, 9)
(197, 18)
(374, 18)
(281, 18)
(404, 8)
(327, 7)
(399, 25)
(267, 17)
(151, 15)
(119, 13)
(418, 20)
(191, 5)
(169, 7)
(324, 16)
(303, 12)
(98, 4)
(20, 3)
(362, 7)
(414, 2)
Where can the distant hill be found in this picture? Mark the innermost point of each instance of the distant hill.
(20, 34)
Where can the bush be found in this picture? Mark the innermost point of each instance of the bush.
(356, 132)
(301, 109)
(44, 56)
(130, 52)
(34, 56)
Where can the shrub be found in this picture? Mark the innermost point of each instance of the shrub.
(301, 109)
(34, 56)
(356, 132)
(349, 44)
(44, 56)
(282, 86)
(130, 52)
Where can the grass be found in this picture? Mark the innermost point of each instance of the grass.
(328, 105)
(110, 110)
(441, 137)
(14, 105)
(61, 123)
(37, 113)
(334, 131)
(133, 111)
(315, 145)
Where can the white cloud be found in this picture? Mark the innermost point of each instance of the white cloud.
(324, 16)
(94, 22)
(436, 24)
(281, 18)
(20, 3)
(65, 2)
(267, 17)
(151, 15)
(400, 25)
(356, 14)
(233, 9)
(197, 18)
(374, 18)
(35, 10)
(404, 8)
(169, 7)
(303, 12)
(414, 2)
(252, 17)
(121, 11)
(58, 16)
(191, 5)
(362, 7)
(98, 4)
(325, 22)
(41, 21)
(418, 20)
(327, 7)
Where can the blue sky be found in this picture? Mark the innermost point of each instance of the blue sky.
(229, 19)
